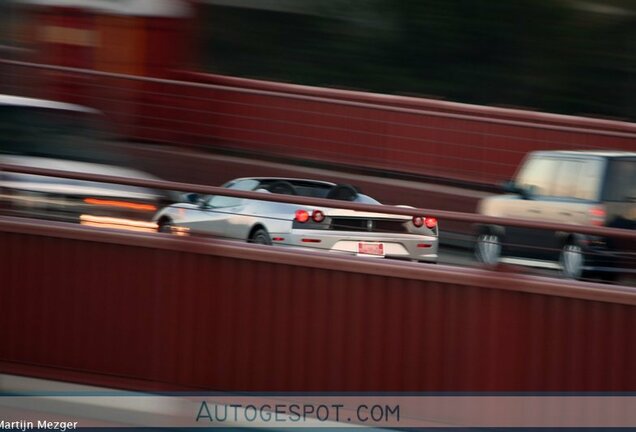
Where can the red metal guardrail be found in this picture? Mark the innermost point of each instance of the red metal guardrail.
(158, 312)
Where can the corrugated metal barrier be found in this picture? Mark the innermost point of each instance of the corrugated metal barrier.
(152, 311)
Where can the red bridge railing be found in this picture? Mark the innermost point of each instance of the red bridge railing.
(352, 129)
(151, 311)
(157, 312)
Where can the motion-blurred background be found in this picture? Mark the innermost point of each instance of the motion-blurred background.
(427, 103)
(563, 56)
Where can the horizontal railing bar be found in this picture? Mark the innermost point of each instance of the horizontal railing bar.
(466, 276)
(322, 202)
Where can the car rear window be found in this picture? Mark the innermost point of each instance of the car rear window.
(621, 180)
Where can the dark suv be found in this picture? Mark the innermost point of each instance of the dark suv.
(577, 187)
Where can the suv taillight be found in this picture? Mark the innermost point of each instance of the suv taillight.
(597, 215)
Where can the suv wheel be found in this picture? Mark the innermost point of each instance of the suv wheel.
(572, 261)
(488, 248)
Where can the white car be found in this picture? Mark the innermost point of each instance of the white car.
(328, 229)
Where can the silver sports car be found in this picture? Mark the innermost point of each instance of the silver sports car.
(328, 229)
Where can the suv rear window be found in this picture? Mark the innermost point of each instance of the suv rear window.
(621, 180)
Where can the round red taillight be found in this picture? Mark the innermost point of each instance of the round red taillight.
(317, 216)
(418, 221)
(302, 216)
(430, 222)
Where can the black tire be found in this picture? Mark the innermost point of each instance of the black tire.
(165, 226)
(261, 236)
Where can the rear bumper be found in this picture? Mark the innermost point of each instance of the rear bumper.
(396, 246)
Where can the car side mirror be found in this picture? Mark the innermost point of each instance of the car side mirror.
(525, 192)
(509, 186)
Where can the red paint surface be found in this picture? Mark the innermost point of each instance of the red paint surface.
(156, 312)
(462, 145)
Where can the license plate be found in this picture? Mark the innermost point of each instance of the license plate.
(374, 249)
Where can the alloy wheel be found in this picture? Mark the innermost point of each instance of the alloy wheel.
(572, 261)
(488, 249)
